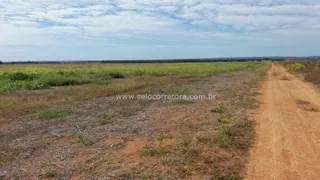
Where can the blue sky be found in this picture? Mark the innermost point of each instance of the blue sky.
(156, 29)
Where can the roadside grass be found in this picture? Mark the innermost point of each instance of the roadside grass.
(309, 68)
(312, 109)
(302, 102)
(54, 113)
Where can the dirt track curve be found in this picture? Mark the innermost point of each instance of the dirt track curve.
(287, 143)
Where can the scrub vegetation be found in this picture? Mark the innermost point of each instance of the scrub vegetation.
(64, 121)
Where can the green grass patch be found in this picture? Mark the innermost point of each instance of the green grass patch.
(224, 138)
(54, 113)
(40, 76)
(82, 140)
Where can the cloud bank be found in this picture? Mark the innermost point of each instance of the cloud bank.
(158, 23)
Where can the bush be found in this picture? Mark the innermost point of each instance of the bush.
(19, 76)
(296, 67)
(63, 81)
(33, 85)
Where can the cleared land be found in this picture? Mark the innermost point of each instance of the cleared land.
(287, 144)
(64, 121)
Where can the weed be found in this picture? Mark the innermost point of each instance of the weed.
(256, 94)
(156, 151)
(302, 102)
(184, 173)
(108, 117)
(82, 140)
(224, 138)
(164, 136)
(54, 113)
(312, 109)
(168, 161)
(219, 109)
(49, 174)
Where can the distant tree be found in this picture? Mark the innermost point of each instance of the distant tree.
(1, 62)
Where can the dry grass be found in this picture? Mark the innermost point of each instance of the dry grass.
(310, 69)
(200, 140)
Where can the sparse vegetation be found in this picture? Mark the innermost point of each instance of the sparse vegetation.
(295, 67)
(49, 174)
(156, 151)
(54, 113)
(302, 102)
(181, 141)
(82, 140)
(108, 117)
(219, 109)
(312, 109)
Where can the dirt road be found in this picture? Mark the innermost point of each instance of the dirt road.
(287, 143)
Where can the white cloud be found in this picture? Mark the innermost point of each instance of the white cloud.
(43, 22)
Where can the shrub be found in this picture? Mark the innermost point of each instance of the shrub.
(59, 80)
(296, 67)
(67, 73)
(19, 76)
(33, 85)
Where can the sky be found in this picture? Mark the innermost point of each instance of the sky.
(35, 30)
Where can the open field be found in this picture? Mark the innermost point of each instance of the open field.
(64, 121)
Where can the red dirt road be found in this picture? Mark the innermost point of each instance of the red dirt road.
(287, 144)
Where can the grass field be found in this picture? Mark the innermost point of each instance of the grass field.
(31, 77)
(64, 121)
